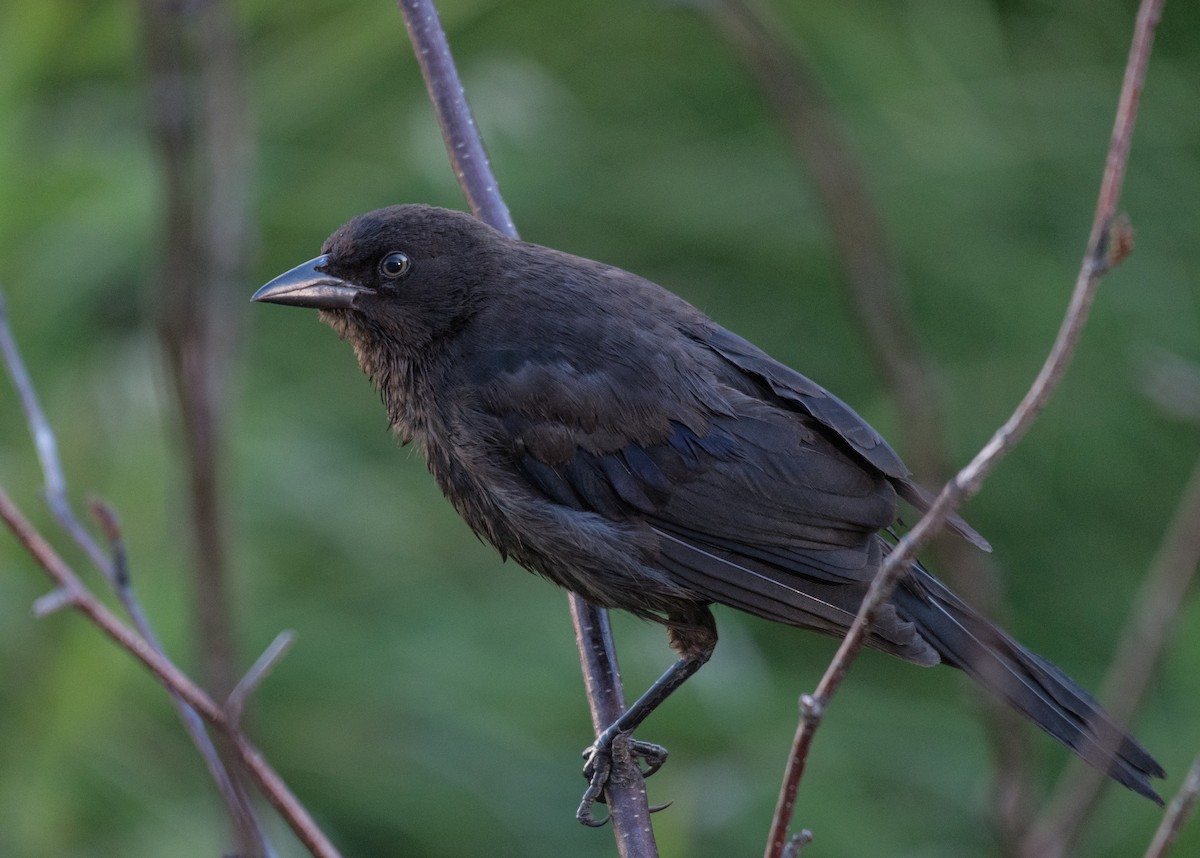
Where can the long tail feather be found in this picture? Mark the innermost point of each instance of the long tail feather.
(1026, 681)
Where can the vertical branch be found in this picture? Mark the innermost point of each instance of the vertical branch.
(626, 795)
(199, 125)
(628, 808)
(198, 122)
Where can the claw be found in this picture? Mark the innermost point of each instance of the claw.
(598, 768)
(594, 793)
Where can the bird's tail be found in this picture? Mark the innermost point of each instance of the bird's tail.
(1026, 681)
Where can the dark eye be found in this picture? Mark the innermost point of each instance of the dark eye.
(395, 265)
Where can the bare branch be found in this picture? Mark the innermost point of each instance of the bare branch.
(879, 297)
(268, 781)
(625, 794)
(39, 426)
(53, 602)
(197, 118)
(1107, 233)
(256, 674)
(464, 146)
(45, 444)
(1181, 808)
(116, 572)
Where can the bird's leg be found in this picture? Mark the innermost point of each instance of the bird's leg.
(695, 641)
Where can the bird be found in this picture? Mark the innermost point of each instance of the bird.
(609, 436)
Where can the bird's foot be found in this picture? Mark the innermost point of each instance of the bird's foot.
(614, 749)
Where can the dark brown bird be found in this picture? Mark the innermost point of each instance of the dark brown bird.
(609, 436)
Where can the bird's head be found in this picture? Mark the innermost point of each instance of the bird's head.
(396, 280)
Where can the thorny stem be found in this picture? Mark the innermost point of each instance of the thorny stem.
(1108, 241)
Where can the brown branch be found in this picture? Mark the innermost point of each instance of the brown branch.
(626, 790)
(198, 123)
(115, 570)
(1108, 242)
(1181, 808)
(879, 297)
(82, 599)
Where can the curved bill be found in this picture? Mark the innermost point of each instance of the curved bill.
(305, 286)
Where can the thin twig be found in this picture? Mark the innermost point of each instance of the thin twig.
(626, 794)
(81, 598)
(115, 570)
(1108, 241)
(1181, 808)
(879, 297)
(259, 671)
(463, 143)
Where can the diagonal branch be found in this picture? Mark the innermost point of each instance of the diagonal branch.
(879, 298)
(1181, 808)
(1109, 241)
(626, 795)
(78, 596)
(116, 572)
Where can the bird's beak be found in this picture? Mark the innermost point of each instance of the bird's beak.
(307, 286)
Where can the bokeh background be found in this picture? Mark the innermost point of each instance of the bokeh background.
(432, 705)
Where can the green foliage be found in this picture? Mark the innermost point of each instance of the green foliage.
(432, 705)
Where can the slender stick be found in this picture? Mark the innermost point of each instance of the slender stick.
(879, 296)
(116, 571)
(1182, 806)
(82, 599)
(626, 795)
(1109, 241)
(463, 143)
(628, 808)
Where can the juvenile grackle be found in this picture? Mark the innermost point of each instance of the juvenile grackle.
(609, 436)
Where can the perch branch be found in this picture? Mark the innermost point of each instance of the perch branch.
(626, 794)
(1110, 239)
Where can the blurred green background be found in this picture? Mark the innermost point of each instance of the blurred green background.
(432, 705)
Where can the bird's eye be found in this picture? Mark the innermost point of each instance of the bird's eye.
(395, 265)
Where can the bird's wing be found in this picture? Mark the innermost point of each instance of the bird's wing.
(790, 386)
(753, 506)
